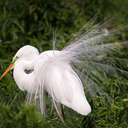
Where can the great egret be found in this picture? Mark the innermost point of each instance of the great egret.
(34, 71)
(60, 72)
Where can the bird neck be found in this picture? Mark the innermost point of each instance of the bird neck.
(24, 75)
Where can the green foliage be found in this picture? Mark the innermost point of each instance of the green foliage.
(33, 22)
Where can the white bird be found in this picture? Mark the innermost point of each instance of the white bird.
(52, 74)
(57, 71)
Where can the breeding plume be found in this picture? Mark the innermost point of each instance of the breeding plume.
(64, 74)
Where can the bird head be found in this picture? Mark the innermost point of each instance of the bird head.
(26, 52)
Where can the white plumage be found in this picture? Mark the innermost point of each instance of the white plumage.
(63, 73)
(52, 74)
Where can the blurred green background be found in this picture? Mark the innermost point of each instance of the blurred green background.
(33, 22)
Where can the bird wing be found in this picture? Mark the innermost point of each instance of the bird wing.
(65, 87)
(90, 57)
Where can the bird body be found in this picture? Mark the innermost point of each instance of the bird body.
(53, 75)
(64, 74)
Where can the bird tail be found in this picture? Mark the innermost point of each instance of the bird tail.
(89, 53)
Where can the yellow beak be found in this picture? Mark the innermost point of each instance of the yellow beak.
(7, 70)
